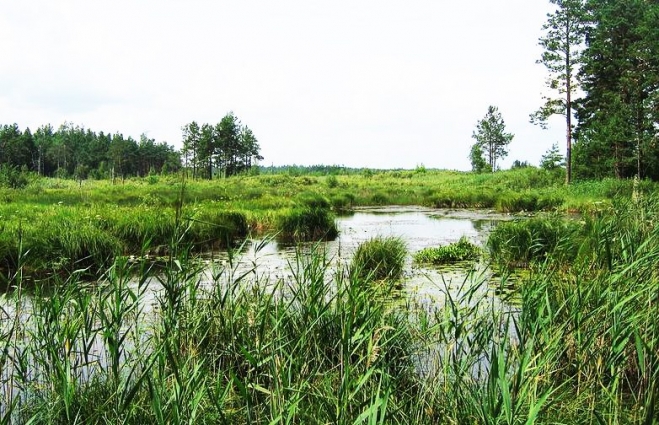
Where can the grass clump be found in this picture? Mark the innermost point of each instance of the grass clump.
(380, 258)
(462, 250)
(211, 228)
(307, 224)
(521, 242)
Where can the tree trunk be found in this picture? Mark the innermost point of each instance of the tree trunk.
(568, 110)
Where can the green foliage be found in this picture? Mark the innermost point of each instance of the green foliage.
(519, 164)
(223, 344)
(491, 139)
(307, 223)
(12, 177)
(618, 112)
(520, 242)
(562, 43)
(552, 159)
(462, 250)
(380, 258)
(210, 228)
(478, 163)
(332, 181)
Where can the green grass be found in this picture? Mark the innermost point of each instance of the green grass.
(124, 217)
(462, 250)
(229, 345)
(379, 258)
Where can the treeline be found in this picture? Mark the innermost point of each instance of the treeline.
(225, 149)
(603, 63)
(317, 170)
(73, 151)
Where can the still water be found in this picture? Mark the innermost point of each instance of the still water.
(418, 227)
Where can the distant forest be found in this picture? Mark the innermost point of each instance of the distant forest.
(72, 151)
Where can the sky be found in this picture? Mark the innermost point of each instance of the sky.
(361, 83)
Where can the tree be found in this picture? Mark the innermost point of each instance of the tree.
(227, 147)
(206, 150)
(122, 155)
(478, 163)
(562, 43)
(228, 143)
(249, 147)
(43, 140)
(619, 114)
(16, 147)
(191, 135)
(552, 159)
(491, 137)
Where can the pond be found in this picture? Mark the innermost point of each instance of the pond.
(422, 287)
(418, 227)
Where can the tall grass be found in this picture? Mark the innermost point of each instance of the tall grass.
(229, 345)
(379, 258)
(226, 344)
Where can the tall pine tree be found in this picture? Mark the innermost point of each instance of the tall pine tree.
(562, 43)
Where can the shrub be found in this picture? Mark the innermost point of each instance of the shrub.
(13, 177)
(379, 258)
(332, 181)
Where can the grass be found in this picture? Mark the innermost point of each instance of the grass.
(123, 217)
(307, 224)
(462, 250)
(321, 347)
(380, 258)
(226, 344)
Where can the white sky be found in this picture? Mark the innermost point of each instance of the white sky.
(362, 83)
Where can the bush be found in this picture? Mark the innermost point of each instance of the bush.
(332, 181)
(379, 259)
(13, 177)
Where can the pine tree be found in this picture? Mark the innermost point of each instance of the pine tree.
(562, 43)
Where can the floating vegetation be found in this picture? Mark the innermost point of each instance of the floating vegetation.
(462, 250)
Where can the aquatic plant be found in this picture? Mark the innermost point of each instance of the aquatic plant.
(307, 224)
(379, 258)
(462, 250)
(226, 344)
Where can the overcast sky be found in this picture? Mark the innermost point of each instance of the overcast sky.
(361, 83)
